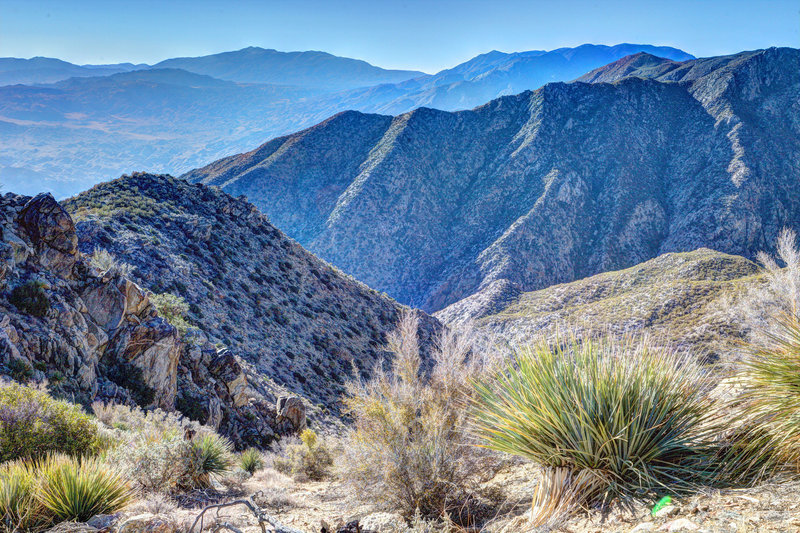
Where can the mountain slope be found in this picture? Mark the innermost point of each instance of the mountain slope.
(303, 69)
(543, 187)
(680, 298)
(67, 136)
(291, 316)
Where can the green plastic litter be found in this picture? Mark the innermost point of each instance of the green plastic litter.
(663, 502)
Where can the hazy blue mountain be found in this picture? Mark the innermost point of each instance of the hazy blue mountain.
(66, 136)
(48, 70)
(542, 187)
(304, 69)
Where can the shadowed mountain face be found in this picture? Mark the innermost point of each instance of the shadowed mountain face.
(185, 112)
(543, 187)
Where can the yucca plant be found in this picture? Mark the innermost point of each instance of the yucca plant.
(19, 508)
(769, 404)
(207, 456)
(251, 461)
(72, 488)
(605, 420)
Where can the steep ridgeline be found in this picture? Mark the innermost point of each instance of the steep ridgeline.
(290, 316)
(95, 335)
(682, 299)
(543, 187)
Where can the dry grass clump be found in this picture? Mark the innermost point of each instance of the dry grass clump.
(606, 420)
(105, 262)
(251, 460)
(408, 448)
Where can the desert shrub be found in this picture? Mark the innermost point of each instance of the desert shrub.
(21, 370)
(408, 448)
(173, 309)
(605, 420)
(309, 459)
(251, 460)
(78, 489)
(32, 424)
(105, 262)
(30, 298)
(19, 508)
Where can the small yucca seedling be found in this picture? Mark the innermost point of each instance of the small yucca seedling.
(19, 509)
(605, 419)
(251, 461)
(209, 455)
(78, 489)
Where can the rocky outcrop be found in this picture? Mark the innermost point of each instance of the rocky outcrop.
(543, 187)
(91, 333)
(95, 336)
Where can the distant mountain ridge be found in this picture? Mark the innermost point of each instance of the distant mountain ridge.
(69, 135)
(542, 187)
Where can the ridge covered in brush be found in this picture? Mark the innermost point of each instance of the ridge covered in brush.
(543, 187)
(683, 299)
(291, 316)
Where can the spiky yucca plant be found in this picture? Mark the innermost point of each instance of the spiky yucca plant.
(209, 455)
(19, 509)
(605, 420)
(78, 489)
(769, 403)
(251, 460)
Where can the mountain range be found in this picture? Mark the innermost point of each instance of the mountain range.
(643, 157)
(63, 135)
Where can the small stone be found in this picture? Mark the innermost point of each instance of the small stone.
(665, 511)
(644, 526)
(681, 524)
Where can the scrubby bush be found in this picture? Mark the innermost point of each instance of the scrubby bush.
(78, 489)
(409, 448)
(605, 420)
(105, 262)
(173, 309)
(33, 424)
(251, 461)
(30, 298)
(307, 459)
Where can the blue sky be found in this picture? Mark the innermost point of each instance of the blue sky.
(424, 35)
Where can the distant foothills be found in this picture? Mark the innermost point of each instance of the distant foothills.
(66, 126)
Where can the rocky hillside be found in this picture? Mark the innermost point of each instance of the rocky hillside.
(93, 335)
(290, 316)
(544, 187)
(683, 299)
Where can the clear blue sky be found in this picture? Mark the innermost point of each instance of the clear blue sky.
(414, 34)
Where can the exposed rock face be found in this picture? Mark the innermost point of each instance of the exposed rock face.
(292, 410)
(91, 323)
(291, 325)
(543, 187)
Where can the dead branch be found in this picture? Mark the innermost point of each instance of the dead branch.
(262, 518)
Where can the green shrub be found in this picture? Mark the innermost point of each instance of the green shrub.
(78, 489)
(19, 508)
(33, 424)
(30, 298)
(310, 459)
(251, 460)
(605, 420)
(20, 370)
(173, 309)
(204, 457)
